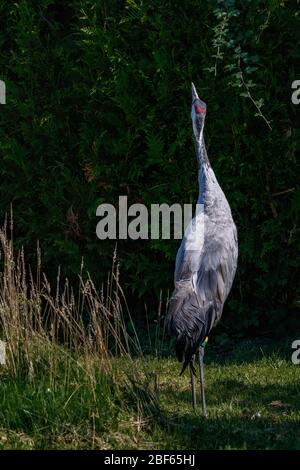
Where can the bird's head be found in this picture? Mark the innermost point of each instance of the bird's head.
(198, 114)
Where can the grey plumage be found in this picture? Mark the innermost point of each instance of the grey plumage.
(205, 263)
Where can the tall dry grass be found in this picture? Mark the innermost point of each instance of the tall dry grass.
(36, 319)
(61, 346)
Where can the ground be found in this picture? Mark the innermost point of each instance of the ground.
(252, 396)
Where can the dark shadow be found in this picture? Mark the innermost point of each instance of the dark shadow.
(233, 351)
(249, 428)
(249, 415)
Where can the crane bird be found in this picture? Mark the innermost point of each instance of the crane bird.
(205, 263)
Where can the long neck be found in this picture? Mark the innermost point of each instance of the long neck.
(210, 193)
(203, 167)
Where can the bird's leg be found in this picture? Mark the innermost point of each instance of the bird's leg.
(201, 368)
(193, 382)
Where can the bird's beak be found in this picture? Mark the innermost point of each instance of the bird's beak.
(194, 93)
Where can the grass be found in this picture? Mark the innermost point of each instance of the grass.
(70, 383)
(253, 403)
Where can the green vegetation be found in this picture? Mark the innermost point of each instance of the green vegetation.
(70, 384)
(253, 403)
(98, 105)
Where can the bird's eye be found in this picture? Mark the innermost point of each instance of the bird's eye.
(200, 109)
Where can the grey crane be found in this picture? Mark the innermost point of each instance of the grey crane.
(205, 263)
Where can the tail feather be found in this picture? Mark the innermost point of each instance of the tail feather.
(190, 362)
(189, 323)
(185, 349)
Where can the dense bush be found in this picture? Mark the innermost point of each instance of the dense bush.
(98, 105)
